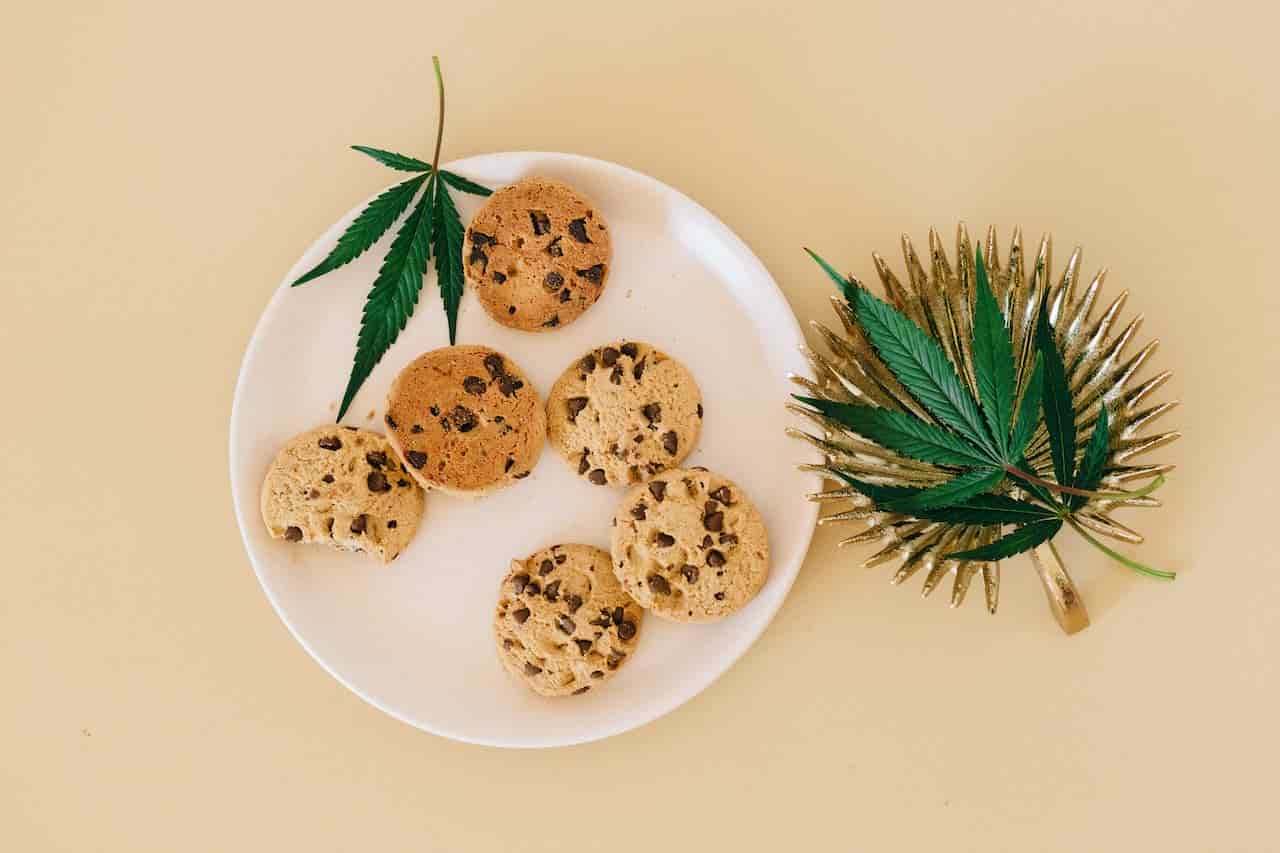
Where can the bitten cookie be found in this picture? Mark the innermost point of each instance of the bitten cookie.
(344, 487)
(624, 412)
(563, 624)
(538, 254)
(689, 546)
(465, 420)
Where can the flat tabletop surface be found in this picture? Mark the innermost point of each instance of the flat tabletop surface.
(164, 164)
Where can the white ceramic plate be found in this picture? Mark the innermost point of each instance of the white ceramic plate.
(414, 638)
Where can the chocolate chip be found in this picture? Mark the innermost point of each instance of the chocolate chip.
(593, 274)
(376, 458)
(293, 534)
(390, 421)
(482, 239)
(706, 541)
(690, 573)
(714, 522)
(658, 490)
(588, 362)
(618, 615)
(616, 376)
(553, 281)
(495, 365)
(595, 673)
(446, 426)
(723, 495)
(583, 689)
(614, 659)
(327, 478)
(601, 621)
(360, 523)
(511, 309)
(521, 615)
(416, 458)
(313, 494)
(499, 277)
(583, 465)
(463, 418)
(331, 442)
(638, 370)
(506, 644)
(626, 630)
(638, 512)
(552, 323)
(652, 412)
(509, 386)
(533, 588)
(575, 405)
(519, 582)
(416, 429)
(565, 295)
(598, 477)
(392, 524)
(402, 483)
(552, 593)
(435, 411)
(474, 385)
(574, 602)
(715, 559)
(659, 584)
(478, 256)
(560, 558)
(699, 410)
(728, 539)
(531, 669)
(609, 356)
(584, 646)
(546, 567)
(578, 229)
(630, 350)
(664, 540)
(719, 596)
(541, 222)
(670, 443)
(377, 482)
(564, 623)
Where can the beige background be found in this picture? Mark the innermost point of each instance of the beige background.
(162, 165)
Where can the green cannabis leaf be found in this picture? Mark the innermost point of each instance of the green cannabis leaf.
(372, 223)
(433, 225)
(985, 439)
(919, 363)
(1023, 539)
(993, 360)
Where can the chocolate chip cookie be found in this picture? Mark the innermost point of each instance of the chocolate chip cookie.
(689, 546)
(623, 412)
(344, 487)
(537, 254)
(465, 420)
(563, 624)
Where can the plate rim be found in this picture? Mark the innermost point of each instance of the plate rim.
(609, 730)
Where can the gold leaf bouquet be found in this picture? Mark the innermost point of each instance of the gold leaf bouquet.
(980, 409)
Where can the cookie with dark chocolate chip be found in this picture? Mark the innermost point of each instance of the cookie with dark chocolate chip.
(563, 625)
(465, 420)
(690, 546)
(537, 254)
(623, 412)
(333, 485)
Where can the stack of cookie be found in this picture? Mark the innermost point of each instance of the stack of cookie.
(687, 545)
